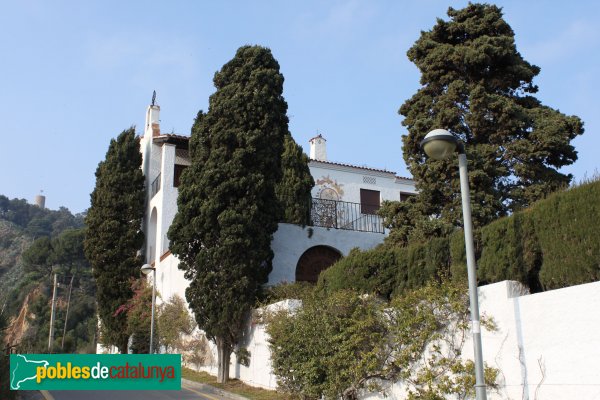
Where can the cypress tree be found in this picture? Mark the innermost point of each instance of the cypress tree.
(227, 208)
(294, 189)
(114, 235)
(476, 84)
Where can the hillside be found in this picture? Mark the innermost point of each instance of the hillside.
(13, 242)
(35, 244)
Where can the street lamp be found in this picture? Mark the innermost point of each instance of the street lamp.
(440, 144)
(146, 268)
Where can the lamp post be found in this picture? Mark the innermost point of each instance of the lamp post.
(440, 144)
(146, 268)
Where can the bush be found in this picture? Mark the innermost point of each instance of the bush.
(372, 271)
(511, 251)
(174, 320)
(551, 245)
(388, 270)
(282, 291)
(328, 347)
(338, 344)
(568, 232)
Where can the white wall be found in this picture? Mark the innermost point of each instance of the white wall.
(548, 344)
(258, 372)
(556, 332)
(291, 241)
(348, 181)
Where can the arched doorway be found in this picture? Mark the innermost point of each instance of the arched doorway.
(315, 260)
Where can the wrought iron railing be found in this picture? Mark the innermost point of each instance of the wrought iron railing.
(344, 215)
(155, 187)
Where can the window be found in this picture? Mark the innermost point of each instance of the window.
(177, 174)
(405, 196)
(369, 201)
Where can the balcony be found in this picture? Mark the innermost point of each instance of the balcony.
(155, 186)
(344, 215)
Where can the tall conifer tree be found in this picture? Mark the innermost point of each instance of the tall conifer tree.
(476, 85)
(294, 189)
(114, 235)
(227, 207)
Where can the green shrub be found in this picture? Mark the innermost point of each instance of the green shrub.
(372, 271)
(328, 346)
(341, 343)
(511, 251)
(387, 270)
(285, 290)
(568, 232)
(458, 255)
(551, 245)
(425, 262)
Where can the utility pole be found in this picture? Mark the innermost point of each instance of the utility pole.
(62, 344)
(51, 334)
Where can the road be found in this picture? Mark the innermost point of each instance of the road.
(188, 391)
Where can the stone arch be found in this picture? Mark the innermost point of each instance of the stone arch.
(152, 228)
(313, 261)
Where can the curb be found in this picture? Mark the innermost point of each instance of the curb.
(46, 395)
(213, 389)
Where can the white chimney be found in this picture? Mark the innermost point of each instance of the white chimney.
(152, 127)
(318, 150)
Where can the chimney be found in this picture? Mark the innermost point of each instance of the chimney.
(152, 127)
(317, 148)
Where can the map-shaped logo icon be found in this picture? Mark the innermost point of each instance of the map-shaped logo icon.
(23, 369)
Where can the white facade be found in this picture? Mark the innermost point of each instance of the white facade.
(353, 225)
(290, 242)
(344, 182)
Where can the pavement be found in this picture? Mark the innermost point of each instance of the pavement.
(189, 390)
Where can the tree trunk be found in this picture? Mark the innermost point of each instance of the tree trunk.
(224, 354)
(123, 346)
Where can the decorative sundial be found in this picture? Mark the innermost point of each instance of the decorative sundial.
(329, 189)
(328, 193)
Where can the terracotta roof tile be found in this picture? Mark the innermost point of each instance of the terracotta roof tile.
(354, 166)
(178, 140)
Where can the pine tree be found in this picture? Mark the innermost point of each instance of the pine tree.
(475, 84)
(114, 234)
(227, 208)
(294, 189)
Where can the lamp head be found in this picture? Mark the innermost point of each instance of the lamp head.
(439, 144)
(147, 268)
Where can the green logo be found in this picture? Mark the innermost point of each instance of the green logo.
(95, 371)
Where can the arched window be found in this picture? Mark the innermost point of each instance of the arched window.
(151, 241)
(315, 260)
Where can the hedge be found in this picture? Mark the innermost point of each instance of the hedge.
(553, 244)
(568, 230)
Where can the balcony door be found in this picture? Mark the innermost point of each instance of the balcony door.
(369, 201)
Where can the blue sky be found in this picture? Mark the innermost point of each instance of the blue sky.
(74, 74)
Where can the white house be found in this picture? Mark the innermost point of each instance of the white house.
(345, 199)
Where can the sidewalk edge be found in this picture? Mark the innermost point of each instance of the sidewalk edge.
(221, 392)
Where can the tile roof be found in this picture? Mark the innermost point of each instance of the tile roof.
(183, 141)
(179, 141)
(354, 166)
(385, 171)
